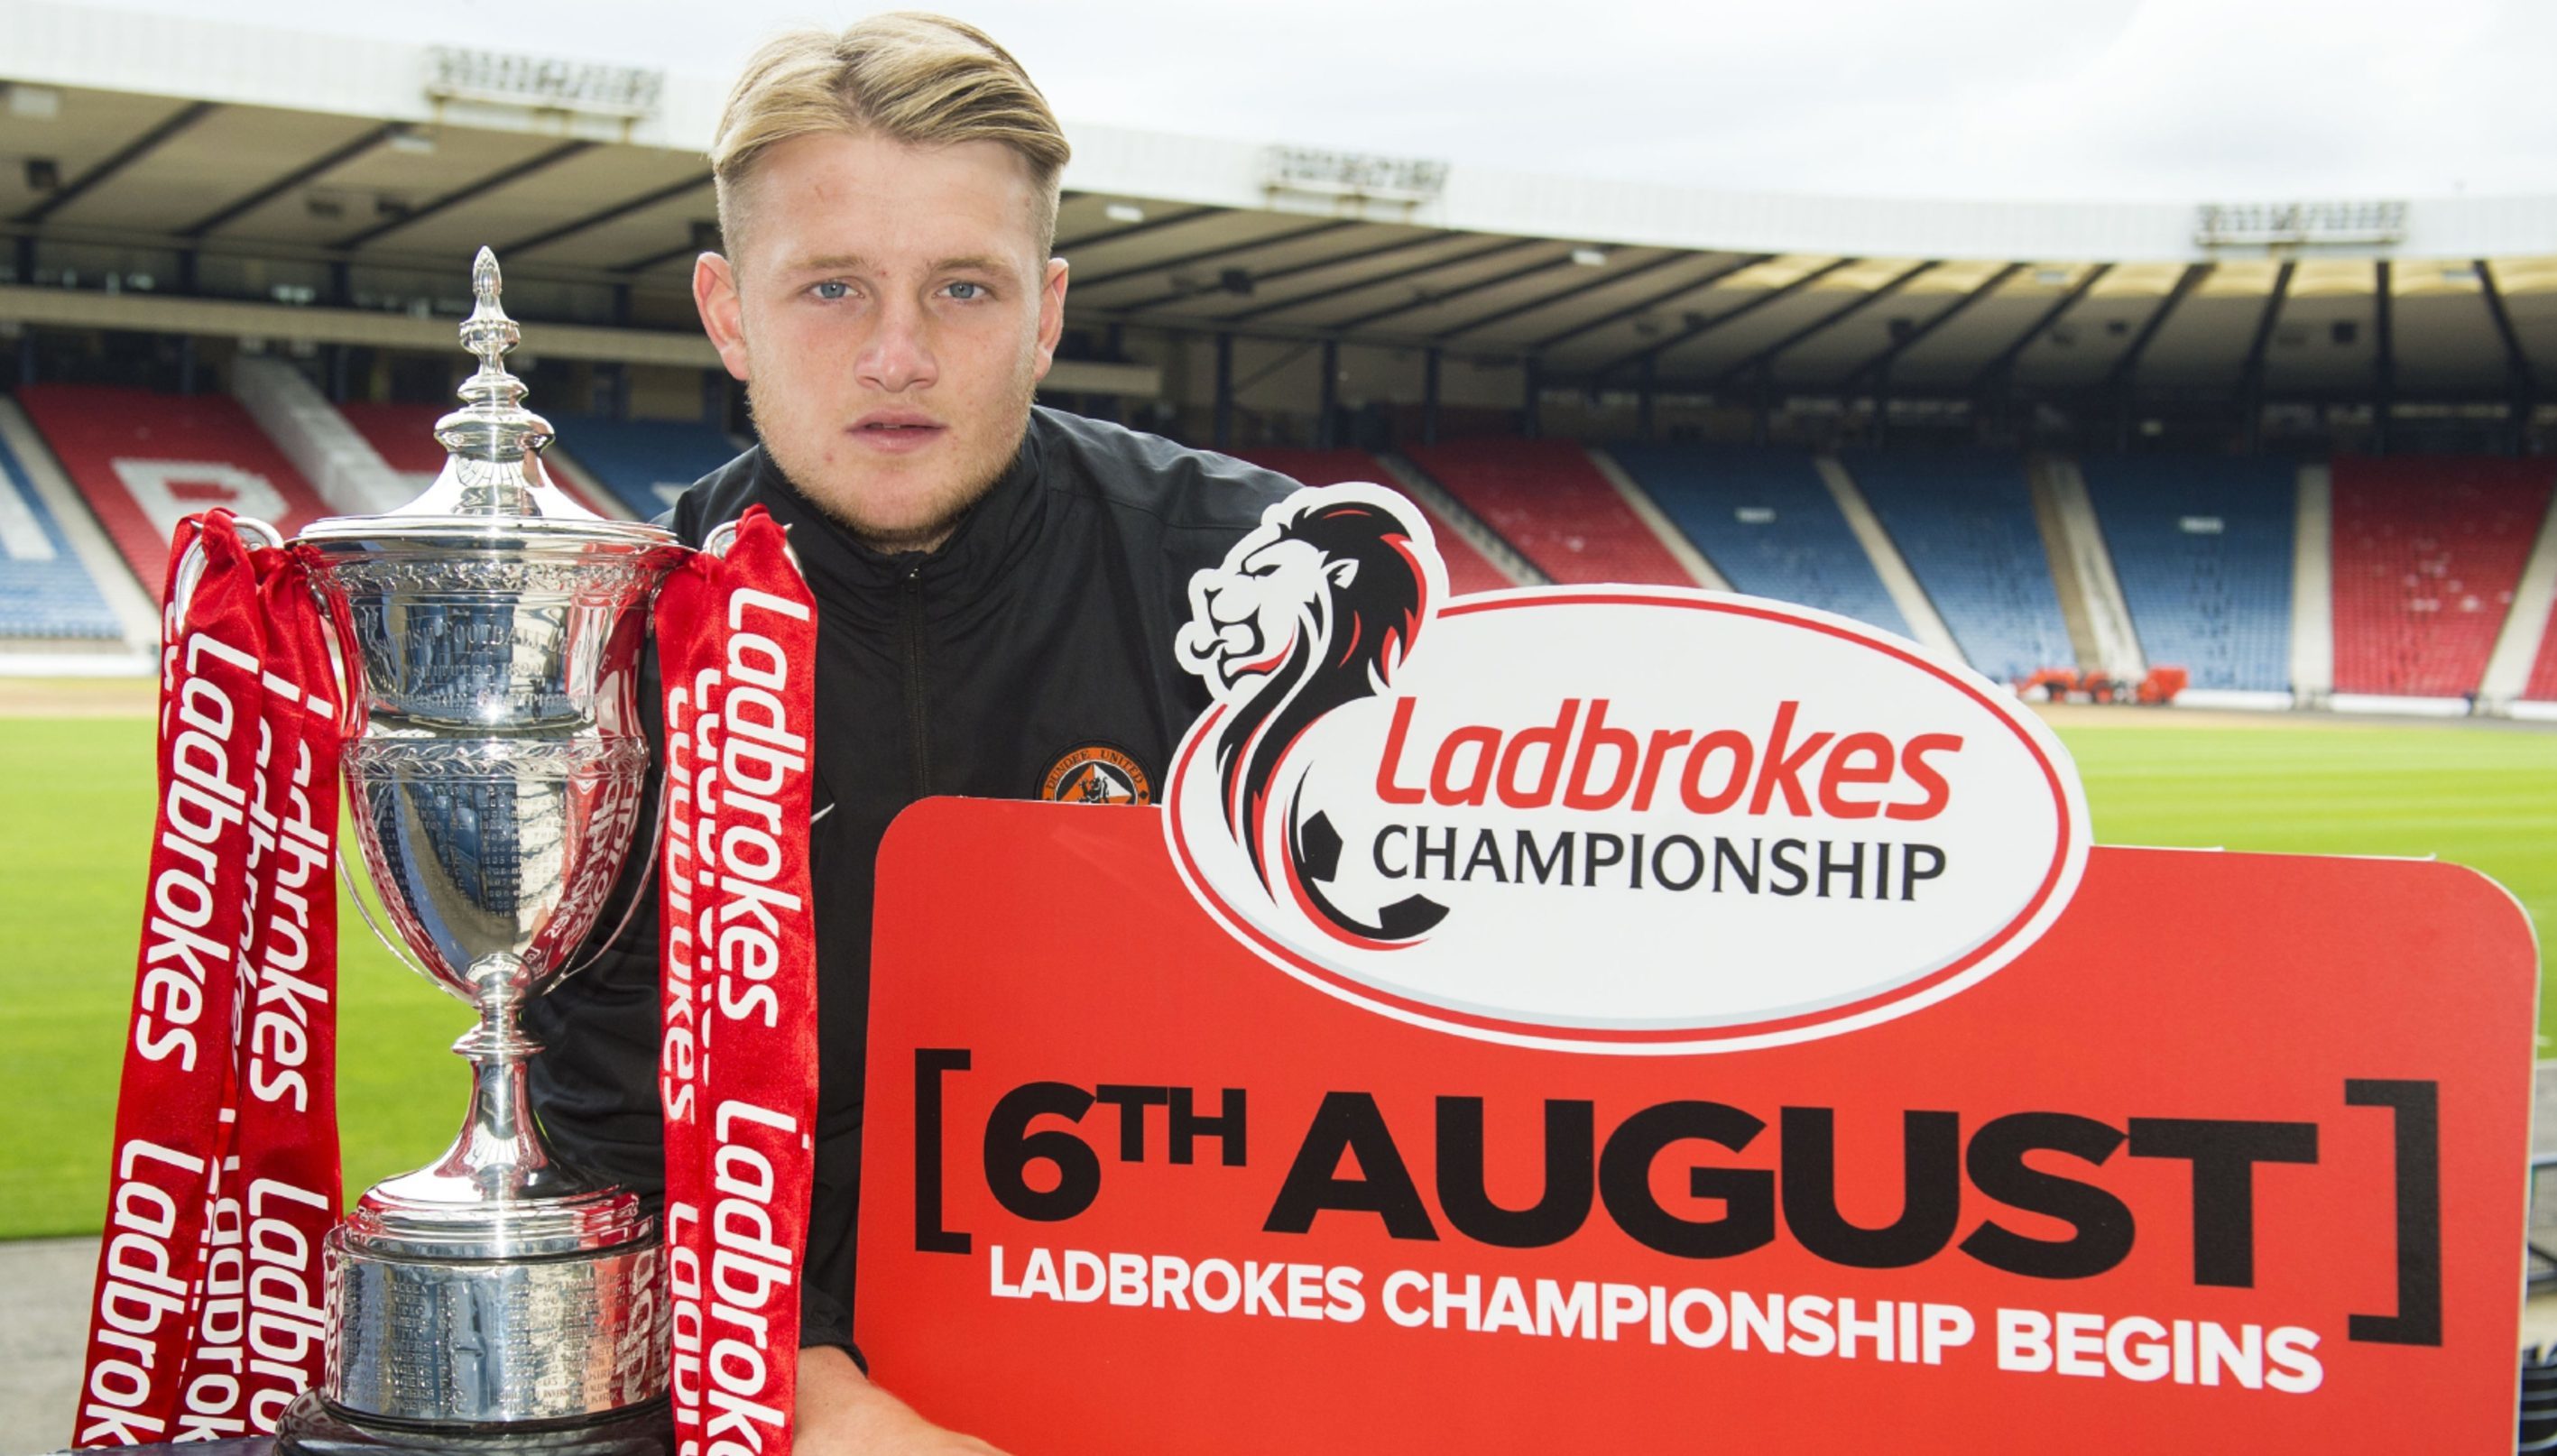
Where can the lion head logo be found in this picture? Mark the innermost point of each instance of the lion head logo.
(1314, 610)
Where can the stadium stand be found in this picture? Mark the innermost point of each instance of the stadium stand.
(143, 459)
(1762, 517)
(645, 463)
(2202, 545)
(1964, 519)
(1468, 570)
(2427, 553)
(45, 592)
(1546, 498)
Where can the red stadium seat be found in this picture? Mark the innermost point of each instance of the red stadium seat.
(1547, 500)
(2427, 553)
(145, 459)
(1468, 570)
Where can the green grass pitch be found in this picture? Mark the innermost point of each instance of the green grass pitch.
(76, 810)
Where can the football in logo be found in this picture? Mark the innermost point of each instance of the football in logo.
(1630, 819)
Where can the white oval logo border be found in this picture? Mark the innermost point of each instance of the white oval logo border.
(1921, 989)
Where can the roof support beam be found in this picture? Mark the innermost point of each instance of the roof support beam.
(1766, 357)
(2251, 371)
(1652, 301)
(1133, 229)
(2007, 357)
(1895, 348)
(1382, 279)
(2384, 341)
(1221, 251)
(1431, 300)
(1702, 327)
(645, 199)
(123, 157)
(467, 191)
(1294, 270)
(326, 162)
(2516, 359)
(1610, 280)
(2125, 368)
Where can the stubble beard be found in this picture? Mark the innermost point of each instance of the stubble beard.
(978, 479)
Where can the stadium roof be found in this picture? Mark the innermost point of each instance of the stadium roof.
(208, 136)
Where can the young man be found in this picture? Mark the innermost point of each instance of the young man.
(999, 587)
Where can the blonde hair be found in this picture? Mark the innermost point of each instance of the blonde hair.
(918, 78)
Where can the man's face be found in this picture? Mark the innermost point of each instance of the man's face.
(892, 314)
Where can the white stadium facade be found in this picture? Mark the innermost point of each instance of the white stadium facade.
(2273, 451)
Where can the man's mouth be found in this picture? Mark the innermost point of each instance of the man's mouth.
(886, 431)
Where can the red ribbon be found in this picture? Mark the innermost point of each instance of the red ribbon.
(206, 1317)
(737, 642)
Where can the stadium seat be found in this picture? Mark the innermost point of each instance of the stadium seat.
(1547, 500)
(2427, 553)
(2203, 545)
(45, 591)
(1762, 517)
(1468, 570)
(1963, 520)
(646, 463)
(146, 459)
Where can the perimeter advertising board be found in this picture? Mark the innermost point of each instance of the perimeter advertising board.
(1567, 1017)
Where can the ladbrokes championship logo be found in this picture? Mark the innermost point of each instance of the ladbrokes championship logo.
(1610, 818)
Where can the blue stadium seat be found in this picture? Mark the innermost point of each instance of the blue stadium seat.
(45, 591)
(1764, 518)
(1963, 520)
(646, 463)
(2202, 547)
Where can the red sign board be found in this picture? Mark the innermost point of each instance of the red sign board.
(2231, 1158)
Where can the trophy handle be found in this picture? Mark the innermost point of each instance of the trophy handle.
(399, 953)
(191, 567)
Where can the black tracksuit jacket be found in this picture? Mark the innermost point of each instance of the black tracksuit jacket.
(1042, 627)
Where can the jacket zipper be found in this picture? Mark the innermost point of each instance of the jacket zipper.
(917, 745)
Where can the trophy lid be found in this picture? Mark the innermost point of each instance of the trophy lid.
(492, 485)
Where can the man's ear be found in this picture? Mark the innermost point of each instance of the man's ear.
(722, 311)
(1051, 326)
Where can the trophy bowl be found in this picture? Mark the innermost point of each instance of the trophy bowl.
(492, 633)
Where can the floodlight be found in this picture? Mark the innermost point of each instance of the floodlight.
(1588, 258)
(1124, 212)
(417, 141)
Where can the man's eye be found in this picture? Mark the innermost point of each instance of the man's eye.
(972, 291)
(833, 289)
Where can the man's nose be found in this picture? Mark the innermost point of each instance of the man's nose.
(898, 355)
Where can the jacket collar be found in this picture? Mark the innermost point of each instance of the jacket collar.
(980, 555)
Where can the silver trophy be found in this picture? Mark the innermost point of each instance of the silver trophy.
(496, 780)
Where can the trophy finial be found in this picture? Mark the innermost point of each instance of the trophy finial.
(492, 426)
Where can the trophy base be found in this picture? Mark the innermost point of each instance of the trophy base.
(315, 1427)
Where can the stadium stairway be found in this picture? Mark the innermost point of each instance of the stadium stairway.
(1473, 563)
(2313, 588)
(2203, 548)
(2428, 554)
(1767, 519)
(1549, 500)
(2522, 665)
(2082, 570)
(346, 470)
(403, 437)
(143, 459)
(1963, 520)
